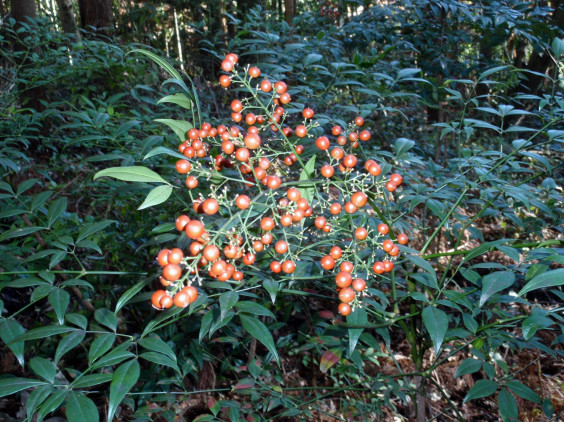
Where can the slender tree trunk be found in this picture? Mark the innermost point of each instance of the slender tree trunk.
(68, 21)
(23, 9)
(30, 95)
(97, 14)
(289, 10)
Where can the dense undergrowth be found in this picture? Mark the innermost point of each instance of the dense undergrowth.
(471, 314)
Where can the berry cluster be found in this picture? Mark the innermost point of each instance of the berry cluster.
(266, 195)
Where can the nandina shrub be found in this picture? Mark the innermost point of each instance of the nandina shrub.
(279, 202)
(275, 196)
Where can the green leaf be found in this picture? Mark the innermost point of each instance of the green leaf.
(307, 174)
(43, 368)
(10, 329)
(100, 345)
(161, 62)
(160, 359)
(534, 323)
(272, 287)
(59, 300)
(557, 47)
(178, 99)
(90, 229)
(205, 324)
(106, 317)
(11, 385)
(125, 377)
(56, 209)
(491, 71)
(80, 408)
(482, 388)
(547, 279)
(495, 282)
(523, 391)
(25, 185)
(157, 345)
(357, 317)
(422, 263)
(113, 358)
(226, 302)
(42, 332)
(131, 174)
(69, 342)
(52, 403)
(402, 145)
(180, 127)
(468, 366)
(36, 397)
(312, 58)
(93, 379)
(259, 331)
(40, 199)
(508, 408)
(157, 196)
(164, 150)
(548, 407)
(436, 322)
(253, 308)
(329, 358)
(11, 234)
(129, 294)
(78, 320)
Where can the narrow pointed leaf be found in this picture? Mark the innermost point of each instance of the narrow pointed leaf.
(157, 345)
(69, 342)
(178, 99)
(52, 403)
(125, 377)
(157, 196)
(59, 300)
(357, 317)
(92, 379)
(100, 345)
(80, 408)
(259, 331)
(42, 332)
(106, 317)
(548, 279)
(226, 301)
(482, 388)
(9, 329)
(44, 368)
(495, 282)
(436, 323)
(469, 366)
(11, 385)
(131, 174)
(508, 408)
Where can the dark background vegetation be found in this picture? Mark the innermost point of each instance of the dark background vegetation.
(449, 90)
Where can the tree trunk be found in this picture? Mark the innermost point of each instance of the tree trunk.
(68, 21)
(30, 95)
(289, 10)
(97, 14)
(22, 10)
